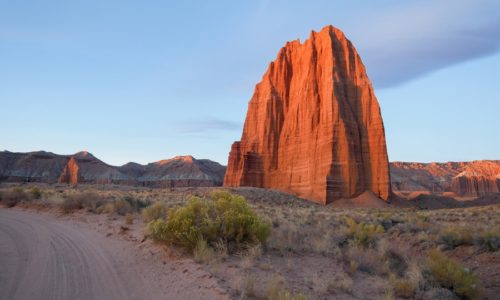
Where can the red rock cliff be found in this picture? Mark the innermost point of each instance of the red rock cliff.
(70, 172)
(313, 126)
(477, 179)
(470, 179)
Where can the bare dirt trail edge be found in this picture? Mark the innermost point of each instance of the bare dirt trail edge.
(45, 258)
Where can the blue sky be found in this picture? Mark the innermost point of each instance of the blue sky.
(146, 80)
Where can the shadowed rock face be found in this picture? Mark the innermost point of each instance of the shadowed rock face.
(471, 179)
(313, 126)
(83, 167)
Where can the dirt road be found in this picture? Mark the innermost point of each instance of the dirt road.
(42, 258)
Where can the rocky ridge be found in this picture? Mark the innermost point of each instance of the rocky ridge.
(469, 179)
(83, 167)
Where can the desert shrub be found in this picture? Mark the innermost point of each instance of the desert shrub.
(36, 193)
(403, 288)
(289, 237)
(451, 275)
(221, 250)
(12, 197)
(122, 207)
(453, 236)
(407, 285)
(91, 201)
(362, 233)
(394, 256)
(274, 287)
(154, 212)
(367, 260)
(129, 219)
(159, 231)
(250, 255)
(223, 217)
(274, 291)
(488, 239)
(106, 208)
(248, 287)
(286, 295)
(135, 204)
(72, 203)
(340, 282)
(384, 259)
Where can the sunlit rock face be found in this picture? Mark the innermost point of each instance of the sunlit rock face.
(313, 126)
(468, 179)
(70, 172)
(478, 178)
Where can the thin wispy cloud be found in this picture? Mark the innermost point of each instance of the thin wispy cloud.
(413, 40)
(399, 41)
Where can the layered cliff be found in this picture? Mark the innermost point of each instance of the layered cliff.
(471, 179)
(478, 178)
(313, 126)
(83, 167)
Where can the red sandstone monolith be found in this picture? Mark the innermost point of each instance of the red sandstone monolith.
(313, 126)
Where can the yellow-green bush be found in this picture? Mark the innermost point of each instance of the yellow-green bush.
(453, 236)
(224, 216)
(488, 239)
(36, 193)
(363, 233)
(450, 274)
(154, 212)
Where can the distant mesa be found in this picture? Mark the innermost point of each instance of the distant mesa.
(313, 126)
(83, 167)
(462, 179)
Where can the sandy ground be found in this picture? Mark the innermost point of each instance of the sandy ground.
(81, 257)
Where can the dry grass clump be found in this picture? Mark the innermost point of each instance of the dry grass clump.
(367, 260)
(202, 253)
(250, 255)
(248, 288)
(156, 211)
(451, 275)
(129, 219)
(95, 203)
(12, 197)
(275, 290)
(406, 286)
(362, 233)
(36, 193)
(72, 203)
(454, 236)
(119, 206)
(340, 282)
(91, 201)
(488, 239)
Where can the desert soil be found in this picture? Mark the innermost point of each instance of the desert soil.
(82, 257)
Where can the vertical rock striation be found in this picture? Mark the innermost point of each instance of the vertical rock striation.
(313, 126)
(70, 173)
